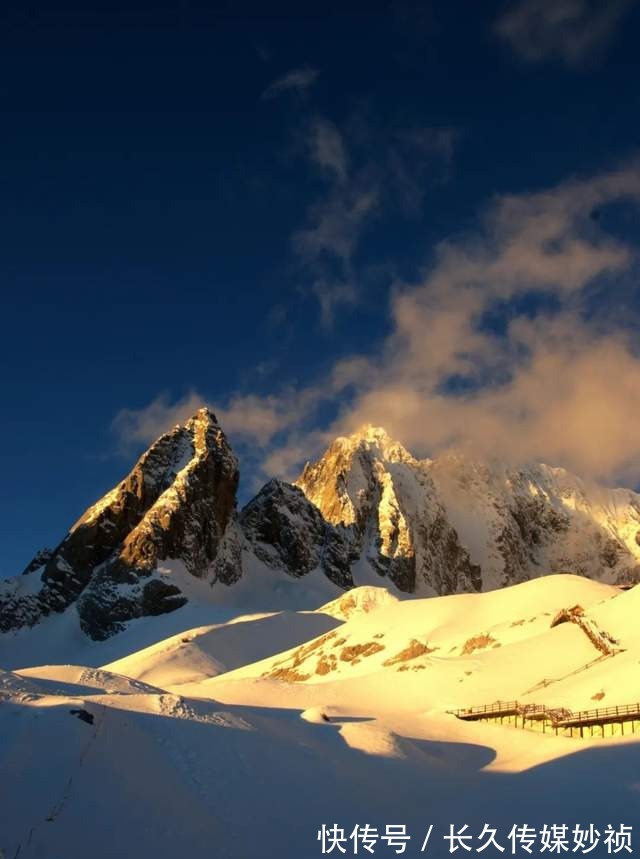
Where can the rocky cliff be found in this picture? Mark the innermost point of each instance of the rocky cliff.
(176, 503)
(456, 523)
(387, 506)
(286, 531)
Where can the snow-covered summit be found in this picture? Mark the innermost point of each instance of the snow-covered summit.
(459, 522)
(375, 440)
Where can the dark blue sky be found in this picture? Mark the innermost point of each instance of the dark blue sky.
(152, 187)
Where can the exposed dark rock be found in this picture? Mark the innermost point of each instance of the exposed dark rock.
(177, 504)
(286, 531)
(39, 560)
(447, 562)
(83, 715)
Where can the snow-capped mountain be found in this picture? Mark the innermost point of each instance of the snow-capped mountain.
(456, 524)
(367, 512)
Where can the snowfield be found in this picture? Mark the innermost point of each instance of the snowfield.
(241, 736)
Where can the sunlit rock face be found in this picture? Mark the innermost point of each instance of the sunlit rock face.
(177, 503)
(457, 523)
(388, 507)
(286, 531)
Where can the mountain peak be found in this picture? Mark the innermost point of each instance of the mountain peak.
(176, 504)
(204, 415)
(372, 438)
(369, 432)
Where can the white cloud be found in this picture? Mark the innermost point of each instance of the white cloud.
(245, 417)
(297, 80)
(569, 30)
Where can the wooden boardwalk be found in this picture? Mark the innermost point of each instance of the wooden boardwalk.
(554, 718)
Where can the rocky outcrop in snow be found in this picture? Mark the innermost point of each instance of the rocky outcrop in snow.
(600, 638)
(286, 531)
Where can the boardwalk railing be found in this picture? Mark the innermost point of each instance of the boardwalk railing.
(497, 708)
(621, 712)
(557, 717)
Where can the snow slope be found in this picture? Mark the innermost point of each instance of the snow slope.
(207, 651)
(180, 752)
(161, 776)
(60, 639)
(455, 651)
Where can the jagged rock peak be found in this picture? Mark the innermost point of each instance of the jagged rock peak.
(177, 503)
(179, 450)
(202, 483)
(41, 557)
(341, 483)
(385, 501)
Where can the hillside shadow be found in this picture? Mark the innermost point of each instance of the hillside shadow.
(346, 720)
(47, 686)
(243, 782)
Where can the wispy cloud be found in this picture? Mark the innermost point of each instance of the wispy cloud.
(248, 417)
(325, 245)
(571, 31)
(380, 171)
(327, 148)
(331, 295)
(297, 80)
(336, 221)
